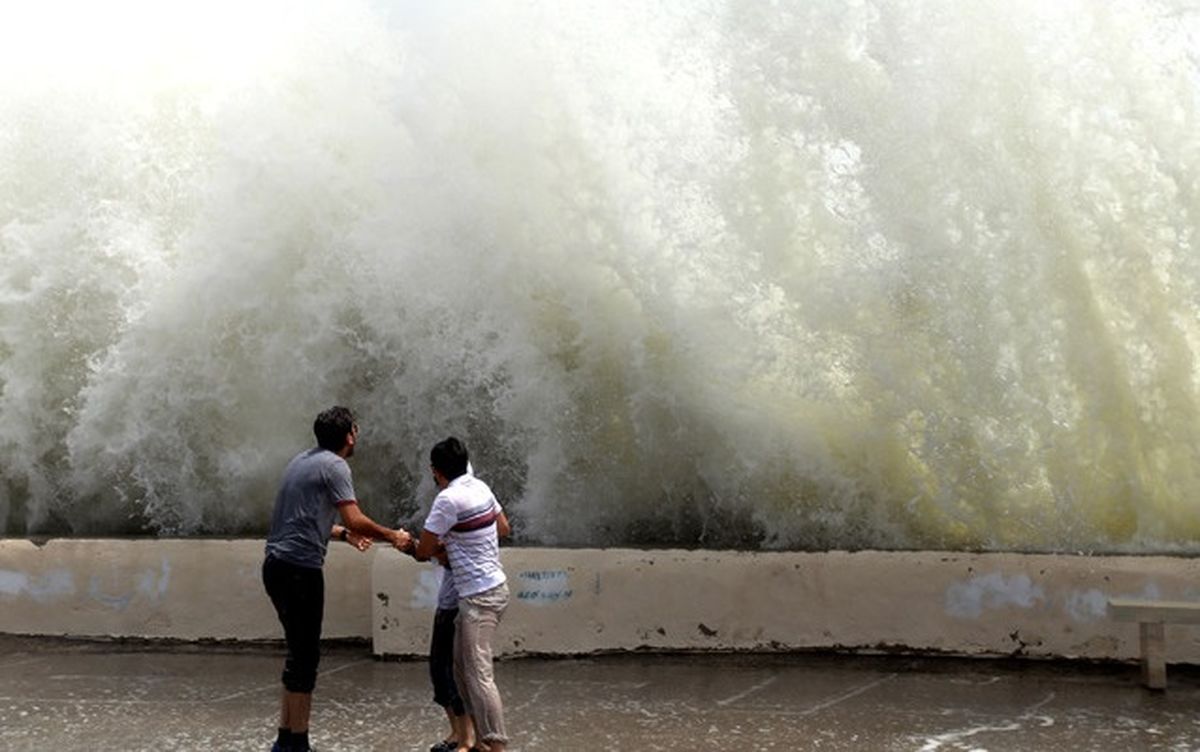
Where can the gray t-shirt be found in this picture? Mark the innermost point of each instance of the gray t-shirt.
(314, 483)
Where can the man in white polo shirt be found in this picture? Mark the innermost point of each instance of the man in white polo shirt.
(467, 520)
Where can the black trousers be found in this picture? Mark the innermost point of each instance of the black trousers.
(298, 594)
(441, 661)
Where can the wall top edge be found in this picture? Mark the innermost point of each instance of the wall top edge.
(943, 555)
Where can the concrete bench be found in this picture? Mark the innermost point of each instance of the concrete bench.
(1152, 618)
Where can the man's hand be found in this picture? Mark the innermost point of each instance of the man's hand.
(361, 542)
(401, 540)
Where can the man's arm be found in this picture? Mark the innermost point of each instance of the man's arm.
(427, 547)
(357, 522)
(503, 529)
(343, 533)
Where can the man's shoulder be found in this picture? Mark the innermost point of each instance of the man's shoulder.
(316, 461)
(445, 497)
(321, 457)
(466, 489)
(477, 485)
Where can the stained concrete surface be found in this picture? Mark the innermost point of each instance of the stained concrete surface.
(61, 695)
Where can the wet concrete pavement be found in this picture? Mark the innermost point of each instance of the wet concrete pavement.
(59, 695)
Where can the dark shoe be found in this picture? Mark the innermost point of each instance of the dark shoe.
(444, 746)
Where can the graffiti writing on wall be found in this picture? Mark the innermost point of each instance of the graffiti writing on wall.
(543, 587)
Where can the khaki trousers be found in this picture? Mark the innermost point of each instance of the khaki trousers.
(478, 616)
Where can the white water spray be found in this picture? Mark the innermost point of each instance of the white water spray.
(802, 275)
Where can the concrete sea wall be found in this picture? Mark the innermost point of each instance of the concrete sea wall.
(588, 600)
(163, 589)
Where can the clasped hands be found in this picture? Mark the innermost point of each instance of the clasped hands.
(400, 539)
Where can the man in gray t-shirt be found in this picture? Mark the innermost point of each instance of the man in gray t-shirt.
(315, 492)
(315, 483)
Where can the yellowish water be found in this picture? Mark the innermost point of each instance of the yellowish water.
(801, 275)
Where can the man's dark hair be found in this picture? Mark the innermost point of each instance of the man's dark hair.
(449, 457)
(331, 427)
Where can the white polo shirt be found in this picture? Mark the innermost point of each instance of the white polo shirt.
(464, 518)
